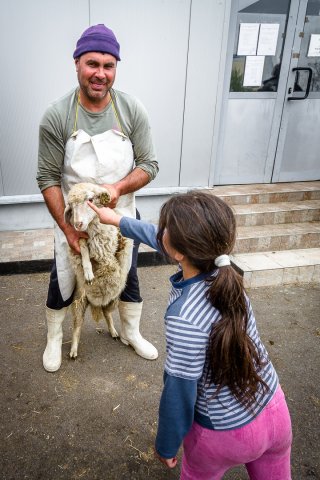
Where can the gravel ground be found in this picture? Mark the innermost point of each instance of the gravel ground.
(96, 418)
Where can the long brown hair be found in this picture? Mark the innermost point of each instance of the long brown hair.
(202, 227)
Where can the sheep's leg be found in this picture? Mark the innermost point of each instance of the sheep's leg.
(104, 312)
(86, 262)
(78, 308)
(108, 317)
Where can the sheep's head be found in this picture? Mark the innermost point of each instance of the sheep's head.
(77, 211)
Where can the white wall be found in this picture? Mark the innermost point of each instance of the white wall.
(171, 52)
(37, 39)
(202, 87)
(153, 36)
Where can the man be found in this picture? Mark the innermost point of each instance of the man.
(100, 135)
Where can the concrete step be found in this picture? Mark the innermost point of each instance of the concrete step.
(280, 222)
(279, 267)
(31, 251)
(275, 213)
(278, 232)
(277, 237)
(268, 193)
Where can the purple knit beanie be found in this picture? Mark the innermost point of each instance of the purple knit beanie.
(97, 38)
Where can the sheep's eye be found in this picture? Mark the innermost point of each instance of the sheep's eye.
(90, 199)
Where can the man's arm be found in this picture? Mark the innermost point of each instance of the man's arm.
(51, 150)
(55, 203)
(136, 122)
(135, 180)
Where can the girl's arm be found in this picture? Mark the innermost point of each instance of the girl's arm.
(186, 354)
(130, 227)
(141, 231)
(176, 413)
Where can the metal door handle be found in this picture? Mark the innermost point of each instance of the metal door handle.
(306, 69)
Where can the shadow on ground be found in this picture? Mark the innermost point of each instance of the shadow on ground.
(96, 418)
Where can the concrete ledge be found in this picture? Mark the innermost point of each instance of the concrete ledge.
(25, 266)
(145, 259)
(265, 269)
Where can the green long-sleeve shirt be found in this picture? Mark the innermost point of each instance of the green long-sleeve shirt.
(58, 123)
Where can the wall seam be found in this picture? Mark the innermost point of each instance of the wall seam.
(185, 93)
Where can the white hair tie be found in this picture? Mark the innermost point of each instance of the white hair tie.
(222, 261)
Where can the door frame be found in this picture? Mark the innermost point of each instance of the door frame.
(281, 94)
(296, 45)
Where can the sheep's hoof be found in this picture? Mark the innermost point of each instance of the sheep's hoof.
(88, 276)
(73, 354)
(105, 198)
(114, 333)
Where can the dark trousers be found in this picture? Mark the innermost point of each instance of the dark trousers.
(131, 293)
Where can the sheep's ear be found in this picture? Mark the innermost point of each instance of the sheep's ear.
(67, 214)
(104, 198)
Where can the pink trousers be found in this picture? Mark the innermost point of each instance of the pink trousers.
(263, 446)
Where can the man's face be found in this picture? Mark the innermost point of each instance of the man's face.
(96, 75)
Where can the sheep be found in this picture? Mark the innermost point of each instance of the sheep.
(101, 269)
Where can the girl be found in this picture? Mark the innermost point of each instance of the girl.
(221, 394)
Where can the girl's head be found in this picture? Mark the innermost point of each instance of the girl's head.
(201, 227)
(198, 225)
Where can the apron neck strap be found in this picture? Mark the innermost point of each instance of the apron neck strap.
(113, 107)
(76, 115)
(116, 113)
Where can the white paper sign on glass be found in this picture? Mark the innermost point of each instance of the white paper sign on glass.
(268, 39)
(314, 46)
(248, 38)
(253, 71)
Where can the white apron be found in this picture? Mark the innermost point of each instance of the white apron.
(104, 158)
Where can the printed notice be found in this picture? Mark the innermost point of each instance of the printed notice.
(314, 46)
(248, 38)
(253, 71)
(268, 39)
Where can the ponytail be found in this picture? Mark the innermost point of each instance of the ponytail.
(202, 227)
(234, 359)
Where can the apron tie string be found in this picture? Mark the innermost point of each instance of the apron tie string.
(113, 107)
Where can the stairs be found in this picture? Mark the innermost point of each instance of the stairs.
(278, 237)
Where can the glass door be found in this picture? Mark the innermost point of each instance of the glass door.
(260, 34)
(298, 149)
(270, 123)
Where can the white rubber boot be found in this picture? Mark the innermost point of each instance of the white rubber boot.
(52, 355)
(130, 314)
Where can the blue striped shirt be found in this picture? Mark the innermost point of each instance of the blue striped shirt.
(189, 320)
(187, 396)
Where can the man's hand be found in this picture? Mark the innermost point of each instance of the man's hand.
(135, 180)
(106, 215)
(73, 237)
(169, 462)
(55, 203)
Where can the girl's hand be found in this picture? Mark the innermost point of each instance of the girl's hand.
(169, 462)
(106, 215)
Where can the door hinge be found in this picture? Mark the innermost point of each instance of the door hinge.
(296, 55)
(301, 34)
(306, 20)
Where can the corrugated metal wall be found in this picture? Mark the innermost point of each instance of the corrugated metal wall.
(171, 51)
